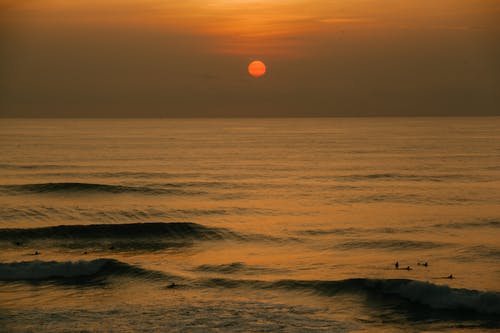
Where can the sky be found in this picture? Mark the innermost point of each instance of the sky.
(189, 58)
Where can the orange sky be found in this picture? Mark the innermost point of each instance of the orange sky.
(364, 57)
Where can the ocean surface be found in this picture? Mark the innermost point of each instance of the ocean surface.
(250, 225)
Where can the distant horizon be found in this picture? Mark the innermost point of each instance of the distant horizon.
(266, 117)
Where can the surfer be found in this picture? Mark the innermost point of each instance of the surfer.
(36, 253)
(450, 276)
(396, 265)
(172, 285)
(408, 268)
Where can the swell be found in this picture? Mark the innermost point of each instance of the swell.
(483, 223)
(408, 198)
(389, 244)
(236, 268)
(486, 223)
(129, 231)
(72, 271)
(65, 214)
(87, 188)
(411, 177)
(478, 253)
(16, 166)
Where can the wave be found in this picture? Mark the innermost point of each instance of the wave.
(70, 270)
(438, 297)
(486, 223)
(128, 231)
(389, 244)
(100, 215)
(15, 166)
(235, 267)
(66, 188)
(478, 253)
(223, 268)
(356, 231)
(65, 214)
(411, 177)
(493, 223)
(407, 198)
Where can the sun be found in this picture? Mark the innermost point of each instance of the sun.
(257, 68)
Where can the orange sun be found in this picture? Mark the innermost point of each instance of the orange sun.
(257, 68)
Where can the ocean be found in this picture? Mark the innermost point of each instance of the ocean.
(250, 225)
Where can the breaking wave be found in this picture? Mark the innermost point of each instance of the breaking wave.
(438, 297)
(63, 270)
(435, 296)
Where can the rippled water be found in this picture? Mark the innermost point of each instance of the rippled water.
(246, 225)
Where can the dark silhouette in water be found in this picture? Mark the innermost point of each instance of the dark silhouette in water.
(450, 276)
(396, 265)
(408, 268)
(36, 253)
(425, 264)
(111, 247)
(172, 285)
(19, 243)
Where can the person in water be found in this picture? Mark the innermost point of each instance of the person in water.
(396, 265)
(450, 276)
(408, 268)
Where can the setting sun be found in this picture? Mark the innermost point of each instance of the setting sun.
(257, 68)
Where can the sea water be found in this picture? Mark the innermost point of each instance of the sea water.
(250, 225)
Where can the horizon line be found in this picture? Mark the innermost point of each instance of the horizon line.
(258, 117)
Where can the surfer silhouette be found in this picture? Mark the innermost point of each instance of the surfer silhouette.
(396, 265)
